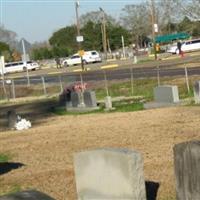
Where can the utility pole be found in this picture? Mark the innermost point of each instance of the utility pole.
(1, 11)
(25, 61)
(78, 32)
(103, 29)
(152, 8)
(123, 46)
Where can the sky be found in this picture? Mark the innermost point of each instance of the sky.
(36, 20)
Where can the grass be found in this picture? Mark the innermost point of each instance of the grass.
(141, 87)
(4, 158)
(121, 106)
(11, 189)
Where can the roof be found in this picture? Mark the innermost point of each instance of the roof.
(171, 37)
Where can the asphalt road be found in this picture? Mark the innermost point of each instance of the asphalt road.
(122, 71)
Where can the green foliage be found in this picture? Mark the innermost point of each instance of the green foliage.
(124, 106)
(41, 53)
(191, 27)
(92, 36)
(120, 106)
(4, 47)
(114, 34)
(5, 51)
(4, 158)
(64, 40)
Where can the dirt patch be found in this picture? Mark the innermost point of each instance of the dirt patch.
(46, 150)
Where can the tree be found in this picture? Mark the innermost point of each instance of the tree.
(136, 19)
(115, 32)
(92, 36)
(190, 9)
(95, 17)
(167, 16)
(65, 38)
(4, 47)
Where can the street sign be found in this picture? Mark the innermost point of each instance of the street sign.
(79, 38)
(81, 52)
(156, 28)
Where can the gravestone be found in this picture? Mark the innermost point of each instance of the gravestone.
(90, 99)
(166, 94)
(187, 170)
(27, 195)
(196, 89)
(75, 99)
(12, 119)
(108, 103)
(109, 174)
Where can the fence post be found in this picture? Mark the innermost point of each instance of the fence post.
(44, 86)
(158, 75)
(82, 104)
(13, 89)
(106, 83)
(131, 70)
(186, 79)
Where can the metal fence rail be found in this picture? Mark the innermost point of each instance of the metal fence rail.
(54, 84)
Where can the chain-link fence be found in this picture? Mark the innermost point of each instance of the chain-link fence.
(115, 83)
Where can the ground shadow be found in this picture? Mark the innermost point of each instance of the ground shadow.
(151, 189)
(36, 112)
(9, 166)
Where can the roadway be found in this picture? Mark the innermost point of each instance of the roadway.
(115, 70)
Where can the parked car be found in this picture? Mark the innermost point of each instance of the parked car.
(88, 57)
(189, 45)
(19, 66)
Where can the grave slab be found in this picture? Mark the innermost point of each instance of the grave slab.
(187, 170)
(166, 94)
(90, 99)
(104, 174)
(196, 89)
(75, 99)
(27, 195)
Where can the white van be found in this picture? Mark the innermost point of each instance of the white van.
(189, 45)
(19, 66)
(88, 57)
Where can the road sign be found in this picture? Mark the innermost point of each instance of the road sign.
(79, 38)
(81, 52)
(156, 28)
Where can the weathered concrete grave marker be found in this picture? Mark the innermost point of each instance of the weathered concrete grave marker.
(12, 119)
(90, 98)
(27, 195)
(196, 89)
(166, 94)
(104, 174)
(187, 170)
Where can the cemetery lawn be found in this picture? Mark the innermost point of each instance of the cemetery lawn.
(46, 150)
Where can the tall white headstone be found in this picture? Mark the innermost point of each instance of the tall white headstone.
(104, 174)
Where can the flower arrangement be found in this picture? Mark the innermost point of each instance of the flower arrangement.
(66, 94)
(22, 124)
(80, 87)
